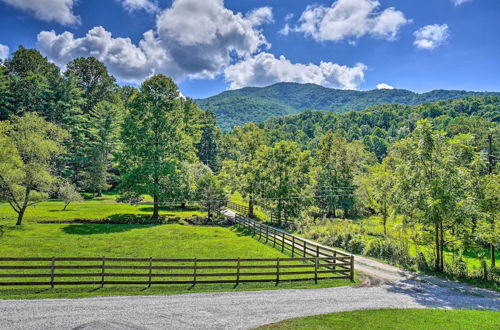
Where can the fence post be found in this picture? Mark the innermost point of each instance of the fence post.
(267, 234)
(274, 238)
(238, 272)
(52, 268)
(277, 270)
(293, 245)
(334, 259)
(102, 271)
(305, 248)
(352, 268)
(254, 225)
(316, 271)
(317, 250)
(194, 271)
(260, 231)
(282, 241)
(150, 271)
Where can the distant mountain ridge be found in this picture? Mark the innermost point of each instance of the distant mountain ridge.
(256, 104)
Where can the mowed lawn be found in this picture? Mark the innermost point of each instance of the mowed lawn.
(421, 319)
(126, 241)
(96, 209)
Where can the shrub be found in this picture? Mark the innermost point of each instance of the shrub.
(356, 244)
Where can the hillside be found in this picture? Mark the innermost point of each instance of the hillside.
(257, 104)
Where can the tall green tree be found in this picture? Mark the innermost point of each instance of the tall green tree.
(431, 179)
(29, 146)
(208, 147)
(338, 162)
(211, 194)
(5, 95)
(241, 172)
(282, 179)
(103, 135)
(154, 142)
(374, 191)
(93, 78)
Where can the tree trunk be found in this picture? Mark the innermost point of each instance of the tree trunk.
(492, 255)
(436, 237)
(65, 206)
(250, 207)
(442, 245)
(20, 216)
(183, 205)
(384, 219)
(156, 209)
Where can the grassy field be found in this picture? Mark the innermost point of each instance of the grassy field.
(395, 319)
(119, 240)
(99, 208)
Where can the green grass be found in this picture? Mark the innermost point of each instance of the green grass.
(99, 208)
(119, 240)
(395, 319)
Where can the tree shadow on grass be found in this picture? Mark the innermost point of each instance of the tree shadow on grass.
(241, 231)
(170, 209)
(93, 229)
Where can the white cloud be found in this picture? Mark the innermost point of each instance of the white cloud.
(60, 11)
(459, 2)
(259, 16)
(191, 39)
(350, 19)
(265, 69)
(431, 36)
(384, 86)
(4, 52)
(147, 5)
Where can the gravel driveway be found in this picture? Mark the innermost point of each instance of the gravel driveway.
(230, 310)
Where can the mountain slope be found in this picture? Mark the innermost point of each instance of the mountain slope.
(257, 104)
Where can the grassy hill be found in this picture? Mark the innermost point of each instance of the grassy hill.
(257, 104)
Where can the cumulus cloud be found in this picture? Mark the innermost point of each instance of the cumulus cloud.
(265, 69)
(147, 5)
(384, 86)
(60, 11)
(260, 16)
(459, 2)
(431, 36)
(4, 52)
(191, 39)
(349, 19)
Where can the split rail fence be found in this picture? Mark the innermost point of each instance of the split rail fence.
(296, 245)
(152, 271)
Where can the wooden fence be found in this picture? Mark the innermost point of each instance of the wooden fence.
(242, 209)
(294, 244)
(152, 271)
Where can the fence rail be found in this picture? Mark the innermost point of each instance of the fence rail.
(148, 271)
(242, 209)
(297, 245)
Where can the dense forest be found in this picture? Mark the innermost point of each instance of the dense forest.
(427, 174)
(254, 104)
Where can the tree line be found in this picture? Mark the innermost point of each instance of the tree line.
(62, 133)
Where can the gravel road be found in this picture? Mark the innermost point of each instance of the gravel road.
(383, 286)
(230, 310)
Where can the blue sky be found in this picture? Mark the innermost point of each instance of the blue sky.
(209, 46)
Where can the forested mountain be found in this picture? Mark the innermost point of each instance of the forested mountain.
(380, 126)
(255, 104)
